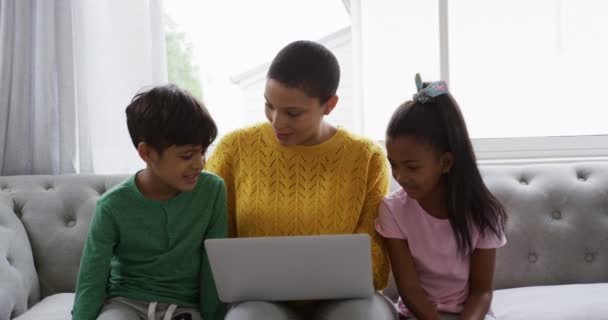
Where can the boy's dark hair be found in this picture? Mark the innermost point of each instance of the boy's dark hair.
(308, 66)
(439, 122)
(167, 115)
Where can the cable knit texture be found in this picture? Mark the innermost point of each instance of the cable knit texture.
(331, 188)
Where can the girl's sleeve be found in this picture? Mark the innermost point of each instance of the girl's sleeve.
(386, 224)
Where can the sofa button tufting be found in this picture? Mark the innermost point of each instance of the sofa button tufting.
(556, 214)
(532, 257)
(589, 257)
(523, 182)
(70, 222)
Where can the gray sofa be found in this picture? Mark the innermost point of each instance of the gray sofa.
(555, 265)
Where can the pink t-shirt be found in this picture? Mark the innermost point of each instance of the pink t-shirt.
(444, 274)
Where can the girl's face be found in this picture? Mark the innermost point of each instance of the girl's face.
(417, 166)
(296, 118)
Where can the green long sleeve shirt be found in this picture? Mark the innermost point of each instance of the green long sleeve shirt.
(150, 250)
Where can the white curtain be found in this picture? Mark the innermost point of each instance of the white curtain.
(68, 68)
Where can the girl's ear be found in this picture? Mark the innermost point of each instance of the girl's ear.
(446, 162)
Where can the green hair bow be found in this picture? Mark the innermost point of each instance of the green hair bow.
(433, 90)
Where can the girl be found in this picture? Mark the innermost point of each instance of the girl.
(443, 226)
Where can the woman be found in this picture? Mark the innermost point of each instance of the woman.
(299, 175)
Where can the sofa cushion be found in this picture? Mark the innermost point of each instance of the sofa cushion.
(18, 279)
(55, 307)
(578, 301)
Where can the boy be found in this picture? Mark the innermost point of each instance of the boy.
(144, 254)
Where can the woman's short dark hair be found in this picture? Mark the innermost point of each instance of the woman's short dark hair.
(308, 66)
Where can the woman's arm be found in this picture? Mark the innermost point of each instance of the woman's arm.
(478, 302)
(377, 188)
(222, 163)
(408, 284)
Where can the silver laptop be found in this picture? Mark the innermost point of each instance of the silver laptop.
(291, 268)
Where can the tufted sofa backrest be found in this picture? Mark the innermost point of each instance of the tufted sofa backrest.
(558, 223)
(43, 224)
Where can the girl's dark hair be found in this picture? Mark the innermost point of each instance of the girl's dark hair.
(167, 115)
(439, 122)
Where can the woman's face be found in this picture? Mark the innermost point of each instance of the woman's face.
(296, 118)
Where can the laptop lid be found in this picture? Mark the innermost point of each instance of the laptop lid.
(291, 268)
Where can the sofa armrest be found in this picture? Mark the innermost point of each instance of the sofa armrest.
(7, 303)
(18, 278)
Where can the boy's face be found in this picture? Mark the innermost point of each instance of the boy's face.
(296, 118)
(178, 167)
(416, 166)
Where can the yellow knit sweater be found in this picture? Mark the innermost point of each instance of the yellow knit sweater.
(331, 188)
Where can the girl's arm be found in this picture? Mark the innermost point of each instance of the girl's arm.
(406, 277)
(478, 302)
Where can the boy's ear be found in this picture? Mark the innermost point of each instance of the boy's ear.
(145, 152)
(330, 105)
(446, 162)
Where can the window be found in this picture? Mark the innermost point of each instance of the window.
(528, 75)
(397, 39)
(530, 68)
